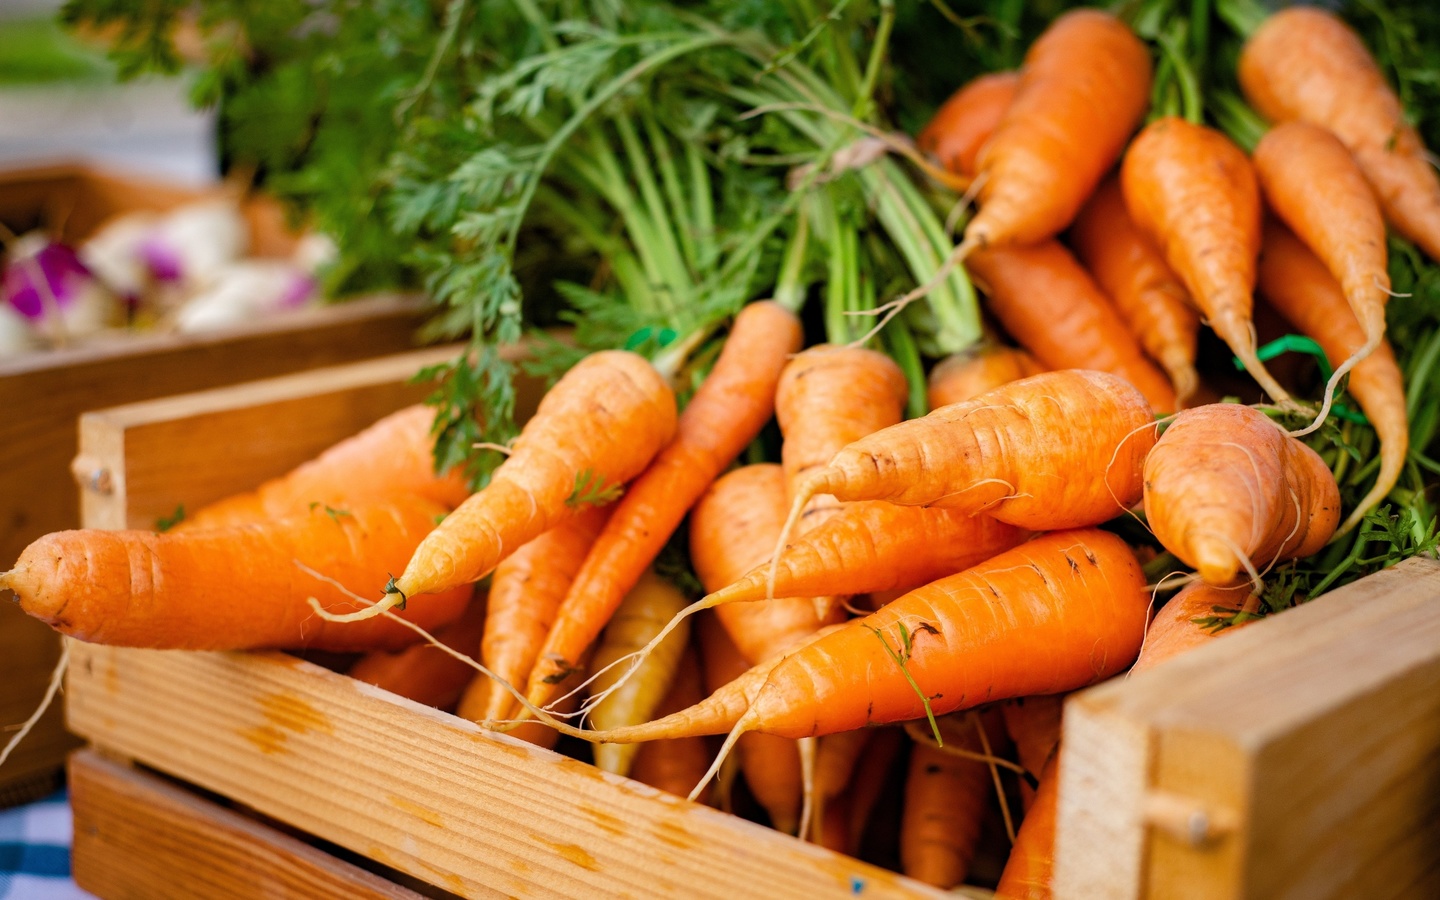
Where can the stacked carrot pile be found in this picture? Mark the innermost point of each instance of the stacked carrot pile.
(875, 588)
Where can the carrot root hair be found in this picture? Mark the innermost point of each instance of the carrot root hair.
(892, 309)
(807, 786)
(805, 491)
(57, 677)
(1371, 343)
(637, 657)
(745, 724)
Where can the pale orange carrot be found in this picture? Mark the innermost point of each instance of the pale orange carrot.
(945, 799)
(425, 673)
(1175, 630)
(1030, 870)
(964, 122)
(1033, 724)
(968, 374)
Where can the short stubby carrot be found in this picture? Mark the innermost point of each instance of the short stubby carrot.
(1048, 302)
(984, 367)
(1305, 63)
(1313, 184)
(525, 594)
(1194, 194)
(964, 122)
(1297, 284)
(1056, 450)
(141, 589)
(1084, 87)
(1226, 490)
(732, 529)
(728, 410)
(1133, 273)
(1030, 870)
(393, 456)
(1057, 613)
(1175, 628)
(600, 425)
(423, 672)
(945, 800)
(1033, 724)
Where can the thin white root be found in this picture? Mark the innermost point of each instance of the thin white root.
(995, 776)
(57, 677)
(808, 811)
(359, 615)
(804, 492)
(1339, 373)
(740, 728)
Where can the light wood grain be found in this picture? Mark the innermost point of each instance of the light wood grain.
(137, 836)
(1312, 737)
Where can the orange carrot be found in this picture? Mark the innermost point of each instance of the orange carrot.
(1031, 867)
(597, 428)
(1129, 268)
(1174, 630)
(1193, 193)
(478, 697)
(393, 456)
(424, 673)
(1048, 303)
(968, 374)
(1298, 286)
(835, 759)
(999, 453)
(1225, 487)
(1033, 724)
(728, 410)
(1304, 63)
(140, 589)
(676, 766)
(1084, 87)
(525, 594)
(1313, 184)
(945, 798)
(963, 123)
(734, 527)
(869, 781)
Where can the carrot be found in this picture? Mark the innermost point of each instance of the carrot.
(733, 528)
(1033, 724)
(1084, 87)
(597, 428)
(140, 589)
(771, 765)
(525, 594)
(1052, 306)
(1193, 193)
(1174, 629)
(728, 410)
(945, 798)
(1031, 866)
(1304, 63)
(651, 604)
(1131, 271)
(423, 672)
(999, 453)
(1297, 284)
(477, 698)
(1313, 184)
(964, 122)
(676, 766)
(1225, 487)
(835, 759)
(970, 373)
(868, 783)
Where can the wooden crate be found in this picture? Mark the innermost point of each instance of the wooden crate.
(43, 396)
(433, 797)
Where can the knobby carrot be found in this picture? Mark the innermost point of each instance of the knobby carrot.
(1084, 86)
(1313, 184)
(1226, 488)
(728, 410)
(1054, 309)
(964, 122)
(968, 374)
(424, 673)
(945, 798)
(1193, 193)
(1175, 630)
(676, 766)
(393, 456)
(1305, 63)
(1297, 284)
(141, 589)
(1131, 271)
(1031, 867)
(1033, 724)
(525, 594)
(597, 428)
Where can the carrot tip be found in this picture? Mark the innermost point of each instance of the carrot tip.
(360, 615)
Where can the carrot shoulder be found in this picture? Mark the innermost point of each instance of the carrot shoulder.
(964, 122)
(728, 410)
(983, 368)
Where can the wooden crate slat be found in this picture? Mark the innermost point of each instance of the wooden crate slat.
(1313, 735)
(137, 836)
(427, 793)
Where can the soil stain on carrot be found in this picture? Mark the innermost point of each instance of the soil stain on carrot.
(424, 814)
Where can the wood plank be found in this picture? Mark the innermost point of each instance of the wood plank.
(137, 836)
(430, 794)
(1309, 743)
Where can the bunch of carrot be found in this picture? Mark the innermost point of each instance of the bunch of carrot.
(906, 595)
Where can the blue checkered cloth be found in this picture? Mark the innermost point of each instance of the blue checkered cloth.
(35, 851)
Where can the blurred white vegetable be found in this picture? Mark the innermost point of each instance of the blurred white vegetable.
(244, 291)
(46, 283)
(193, 243)
(16, 335)
(113, 253)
